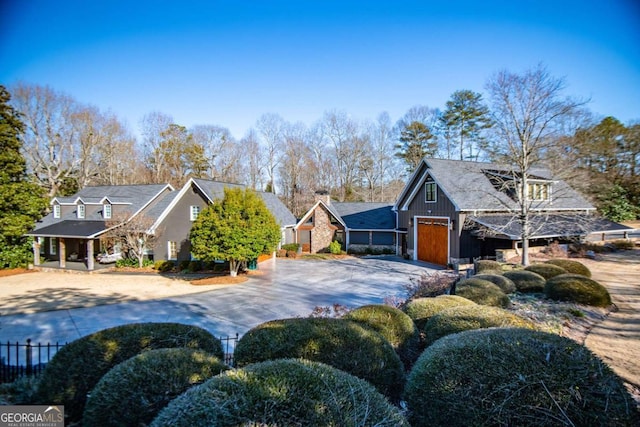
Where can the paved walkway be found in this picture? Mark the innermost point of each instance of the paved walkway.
(286, 289)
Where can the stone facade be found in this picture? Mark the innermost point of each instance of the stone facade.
(323, 231)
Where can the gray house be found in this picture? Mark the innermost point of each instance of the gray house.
(72, 230)
(174, 223)
(453, 209)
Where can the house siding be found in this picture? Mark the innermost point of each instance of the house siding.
(176, 226)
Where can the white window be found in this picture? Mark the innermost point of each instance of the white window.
(539, 191)
(81, 211)
(194, 212)
(41, 245)
(56, 211)
(106, 211)
(430, 191)
(172, 250)
(53, 246)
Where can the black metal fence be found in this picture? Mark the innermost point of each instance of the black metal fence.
(20, 360)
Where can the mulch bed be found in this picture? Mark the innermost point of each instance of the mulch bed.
(14, 271)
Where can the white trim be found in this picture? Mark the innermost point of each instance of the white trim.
(57, 210)
(194, 212)
(106, 213)
(172, 205)
(415, 190)
(53, 246)
(169, 258)
(81, 211)
(435, 191)
(415, 234)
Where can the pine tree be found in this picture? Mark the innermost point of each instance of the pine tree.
(415, 143)
(21, 202)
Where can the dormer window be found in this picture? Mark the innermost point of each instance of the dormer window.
(81, 211)
(106, 211)
(539, 191)
(194, 212)
(56, 211)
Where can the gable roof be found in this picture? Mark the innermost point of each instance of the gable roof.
(366, 215)
(469, 187)
(135, 198)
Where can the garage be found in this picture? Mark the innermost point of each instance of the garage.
(433, 240)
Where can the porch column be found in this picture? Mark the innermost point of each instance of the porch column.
(62, 262)
(90, 264)
(36, 251)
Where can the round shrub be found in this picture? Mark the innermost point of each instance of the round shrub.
(134, 391)
(464, 318)
(484, 265)
(78, 366)
(504, 283)
(394, 325)
(282, 393)
(422, 309)
(482, 292)
(577, 288)
(526, 281)
(341, 343)
(515, 377)
(546, 270)
(572, 267)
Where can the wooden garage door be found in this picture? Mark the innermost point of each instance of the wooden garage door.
(433, 240)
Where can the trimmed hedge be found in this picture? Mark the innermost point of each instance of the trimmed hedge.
(526, 281)
(341, 343)
(577, 288)
(393, 324)
(78, 366)
(486, 265)
(282, 393)
(546, 270)
(515, 377)
(572, 267)
(134, 392)
(422, 309)
(482, 292)
(464, 318)
(504, 283)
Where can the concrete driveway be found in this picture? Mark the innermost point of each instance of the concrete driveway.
(285, 289)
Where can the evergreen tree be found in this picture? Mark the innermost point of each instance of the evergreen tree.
(416, 142)
(21, 202)
(237, 229)
(466, 116)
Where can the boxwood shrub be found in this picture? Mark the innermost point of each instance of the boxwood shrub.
(515, 377)
(282, 392)
(134, 391)
(526, 281)
(577, 288)
(78, 366)
(482, 292)
(422, 309)
(485, 265)
(504, 283)
(546, 270)
(393, 324)
(572, 266)
(341, 343)
(464, 318)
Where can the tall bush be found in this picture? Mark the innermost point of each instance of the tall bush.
(577, 288)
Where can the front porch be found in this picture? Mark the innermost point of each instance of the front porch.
(73, 266)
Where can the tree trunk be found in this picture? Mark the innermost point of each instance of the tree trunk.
(233, 267)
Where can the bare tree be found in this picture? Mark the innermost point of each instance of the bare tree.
(218, 145)
(271, 128)
(132, 234)
(296, 170)
(118, 160)
(254, 161)
(527, 110)
(152, 126)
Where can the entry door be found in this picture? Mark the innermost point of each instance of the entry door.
(433, 240)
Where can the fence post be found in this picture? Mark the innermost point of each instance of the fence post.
(29, 354)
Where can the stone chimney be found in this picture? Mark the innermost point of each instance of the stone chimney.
(324, 196)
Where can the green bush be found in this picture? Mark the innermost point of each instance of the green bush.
(515, 377)
(482, 292)
(484, 265)
(335, 247)
(134, 391)
(393, 324)
(464, 318)
(290, 247)
(195, 266)
(184, 265)
(546, 270)
(282, 393)
(341, 343)
(163, 266)
(623, 244)
(577, 288)
(422, 309)
(526, 281)
(573, 267)
(78, 366)
(504, 283)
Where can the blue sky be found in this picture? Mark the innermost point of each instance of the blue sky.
(229, 62)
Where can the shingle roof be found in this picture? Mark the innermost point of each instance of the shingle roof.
(80, 229)
(468, 186)
(365, 216)
(215, 190)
